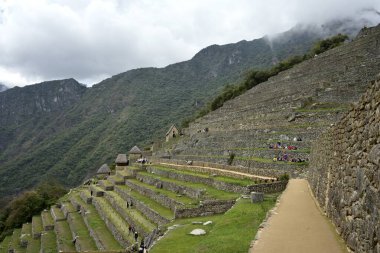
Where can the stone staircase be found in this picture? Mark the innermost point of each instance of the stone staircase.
(300, 102)
(97, 217)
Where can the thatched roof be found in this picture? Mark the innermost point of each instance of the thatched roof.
(104, 169)
(170, 129)
(135, 150)
(121, 158)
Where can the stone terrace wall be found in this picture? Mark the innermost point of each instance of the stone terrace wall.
(345, 173)
(208, 207)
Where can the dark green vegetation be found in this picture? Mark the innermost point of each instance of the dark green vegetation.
(22, 208)
(256, 77)
(64, 130)
(242, 220)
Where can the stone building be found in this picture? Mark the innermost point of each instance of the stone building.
(103, 171)
(173, 132)
(134, 154)
(121, 161)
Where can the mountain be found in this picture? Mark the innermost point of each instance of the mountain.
(3, 87)
(69, 139)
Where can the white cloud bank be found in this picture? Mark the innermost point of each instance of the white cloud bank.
(91, 40)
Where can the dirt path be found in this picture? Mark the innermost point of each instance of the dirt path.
(297, 225)
(221, 170)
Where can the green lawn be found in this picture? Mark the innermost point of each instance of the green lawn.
(47, 220)
(230, 232)
(58, 213)
(37, 224)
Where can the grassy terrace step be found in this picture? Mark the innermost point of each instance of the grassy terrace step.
(150, 203)
(116, 224)
(37, 226)
(78, 228)
(15, 241)
(229, 232)
(116, 180)
(177, 199)
(106, 185)
(57, 214)
(64, 236)
(210, 192)
(131, 213)
(34, 246)
(98, 229)
(26, 234)
(5, 243)
(47, 220)
(185, 171)
(48, 242)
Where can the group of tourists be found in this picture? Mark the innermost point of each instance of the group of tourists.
(282, 155)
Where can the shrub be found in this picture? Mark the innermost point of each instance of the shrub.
(231, 158)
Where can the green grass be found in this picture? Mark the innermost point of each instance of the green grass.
(230, 232)
(64, 236)
(5, 243)
(48, 242)
(231, 180)
(15, 241)
(47, 220)
(182, 199)
(37, 224)
(211, 192)
(26, 232)
(78, 226)
(162, 210)
(133, 213)
(98, 225)
(34, 246)
(58, 213)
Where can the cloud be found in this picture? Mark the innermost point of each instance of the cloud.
(91, 40)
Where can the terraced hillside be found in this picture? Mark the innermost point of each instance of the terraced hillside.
(297, 103)
(104, 214)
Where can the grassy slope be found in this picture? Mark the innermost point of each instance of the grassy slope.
(230, 232)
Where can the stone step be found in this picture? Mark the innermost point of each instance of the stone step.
(26, 234)
(153, 210)
(57, 213)
(84, 241)
(5, 244)
(96, 191)
(37, 227)
(47, 220)
(164, 197)
(116, 180)
(134, 218)
(15, 243)
(194, 190)
(34, 245)
(106, 185)
(218, 182)
(98, 230)
(48, 242)
(64, 236)
(115, 223)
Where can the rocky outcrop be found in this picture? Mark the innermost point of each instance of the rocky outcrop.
(345, 173)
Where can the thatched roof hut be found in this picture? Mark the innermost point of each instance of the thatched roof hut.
(104, 169)
(121, 160)
(135, 151)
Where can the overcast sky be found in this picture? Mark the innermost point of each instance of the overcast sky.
(92, 40)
